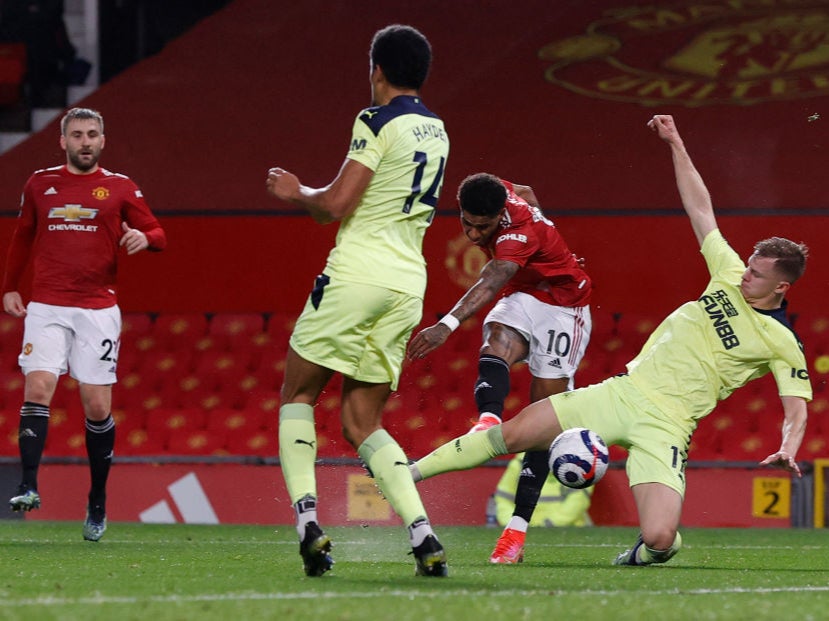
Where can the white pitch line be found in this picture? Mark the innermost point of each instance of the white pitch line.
(316, 595)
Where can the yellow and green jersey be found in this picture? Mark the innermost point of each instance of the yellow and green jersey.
(706, 349)
(381, 242)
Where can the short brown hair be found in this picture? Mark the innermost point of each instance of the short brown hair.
(790, 257)
(81, 113)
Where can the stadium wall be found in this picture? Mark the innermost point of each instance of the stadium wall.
(641, 264)
(231, 493)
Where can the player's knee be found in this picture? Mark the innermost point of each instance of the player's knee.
(97, 404)
(40, 387)
(97, 410)
(659, 537)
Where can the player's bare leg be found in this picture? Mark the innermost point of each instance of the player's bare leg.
(660, 508)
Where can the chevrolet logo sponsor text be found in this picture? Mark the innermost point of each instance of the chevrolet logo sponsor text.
(72, 215)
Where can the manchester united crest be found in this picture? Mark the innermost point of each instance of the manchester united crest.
(463, 261)
(100, 193)
(698, 53)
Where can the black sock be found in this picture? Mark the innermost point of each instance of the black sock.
(100, 441)
(31, 438)
(534, 472)
(492, 385)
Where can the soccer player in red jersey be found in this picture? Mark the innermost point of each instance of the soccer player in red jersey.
(542, 316)
(73, 221)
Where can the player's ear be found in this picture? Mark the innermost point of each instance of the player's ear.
(63, 142)
(782, 287)
(103, 140)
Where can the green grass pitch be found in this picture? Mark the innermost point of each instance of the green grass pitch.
(235, 573)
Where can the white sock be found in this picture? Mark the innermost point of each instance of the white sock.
(419, 530)
(306, 511)
(518, 523)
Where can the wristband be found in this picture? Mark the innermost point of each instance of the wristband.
(450, 321)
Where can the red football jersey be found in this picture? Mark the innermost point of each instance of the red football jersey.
(548, 270)
(71, 227)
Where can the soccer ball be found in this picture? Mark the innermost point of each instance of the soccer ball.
(578, 458)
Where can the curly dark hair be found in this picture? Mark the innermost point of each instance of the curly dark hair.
(482, 194)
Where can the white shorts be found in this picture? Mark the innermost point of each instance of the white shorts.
(82, 340)
(557, 335)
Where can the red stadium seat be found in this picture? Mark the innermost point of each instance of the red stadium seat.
(135, 324)
(11, 386)
(280, 326)
(265, 401)
(237, 393)
(232, 331)
(140, 442)
(199, 442)
(178, 331)
(127, 420)
(271, 368)
(131, 392)
(136, 339)
(11, 335)
(261, 443)
(72, 444)
(175, 420)
(227, 420)
(159, 366)
(8, 443)
(186, 391)
(66, 394)
(221, 367)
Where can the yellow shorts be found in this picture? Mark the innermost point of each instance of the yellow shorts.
(657, 444)
(358, 330)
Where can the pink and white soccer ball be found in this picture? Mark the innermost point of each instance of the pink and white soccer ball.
(578, 458)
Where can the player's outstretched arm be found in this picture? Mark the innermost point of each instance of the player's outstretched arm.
(494, 276)
(526, 193)
(794, 427)
(333, 202)
(695, 197)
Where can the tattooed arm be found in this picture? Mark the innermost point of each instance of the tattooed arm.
(494, 276)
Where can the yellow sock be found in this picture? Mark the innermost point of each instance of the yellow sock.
(390, 467)
(462, 453)
(298, 449)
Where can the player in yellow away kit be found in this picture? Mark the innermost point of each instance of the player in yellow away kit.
(734, 332)
(369, 297)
